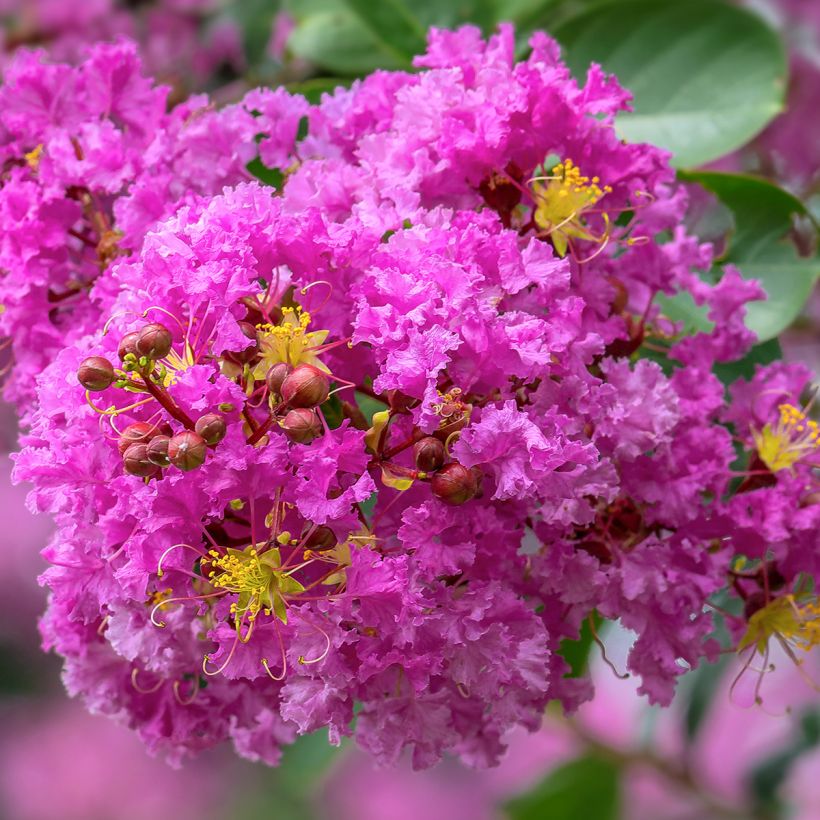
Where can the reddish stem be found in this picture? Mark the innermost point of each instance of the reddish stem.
(167, 402)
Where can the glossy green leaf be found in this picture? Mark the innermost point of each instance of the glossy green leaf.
(760, 246)
(393, 23)
(337, 41)
(400, 26)
(706, 76)
(584, 789)
(682, 308)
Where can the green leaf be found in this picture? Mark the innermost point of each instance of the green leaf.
(269, 176)
(393, 24)
(706, 76)
(576, 653)
(584, 789)
(338, 42)
(313, 89)
(761, 248)
(401, 26)
(745, 368)
(682, 308)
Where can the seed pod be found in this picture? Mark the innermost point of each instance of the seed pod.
(276, 375)
(128, 344)
(211, 427)
(301, 425)
(135, 461)
(187, 450)
(322, 538)
(96, 373)
(138, 433)
(306, 386)
(429, 454)
(157, 451)
(454, 484)
(154, 341)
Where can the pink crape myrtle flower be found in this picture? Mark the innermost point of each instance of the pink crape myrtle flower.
(359, 451)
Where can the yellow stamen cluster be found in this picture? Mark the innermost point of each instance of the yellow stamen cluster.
(159, 597)
(257, 579)
(562, 201)
(289, 342)
(793, 436)
(794, 622)
(33, 157)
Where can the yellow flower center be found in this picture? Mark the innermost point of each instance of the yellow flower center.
(793, 436)
(33, 157)
(289, 342)
(562, 201)
(786, 618)
(258, 580)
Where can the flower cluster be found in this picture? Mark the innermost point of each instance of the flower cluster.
(90, 162)
(360, 453)
(184, 42)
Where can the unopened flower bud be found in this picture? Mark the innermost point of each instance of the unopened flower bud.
(454, 484)
(96, 373)
(301, 425)
(429, 454)
(154, 341)
(306, 386)
(322, 538)
(211, 427)
(187, 450)
(128, 344)
(136, 462)
(157, 451)
(276, 375)
(138, 433)
(249, 352)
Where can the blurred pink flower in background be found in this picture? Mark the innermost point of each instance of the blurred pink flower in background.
(59, 763)
(663, 776)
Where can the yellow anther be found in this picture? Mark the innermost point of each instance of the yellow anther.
(782, 445)
(562, 200)
(289, 342)
(787, 618)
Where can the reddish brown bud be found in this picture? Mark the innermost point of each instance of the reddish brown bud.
(429, 454)
(248, 353)
(128, 344)
(454, 484)
(306, 386)
(211, 427)
(96, 373)
(301, 425)
(138, 433)
(135, 460)
(322, 538)
(187, 450)
(157, 451)
(154, 341)
(276, 375)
